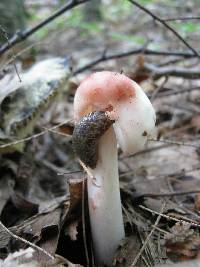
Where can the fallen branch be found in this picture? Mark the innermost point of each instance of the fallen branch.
(169, 194)
(26, 139)
(140, 50)
(170, 217)
(158, 72)
(174, 142)
(177, 174)
(148, 237)
(32, 245)
(158, 89)
(182, 18)
(21, 36)
(176, 92)
(166, 25)
(144, 151)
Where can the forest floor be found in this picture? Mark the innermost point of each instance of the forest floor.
(41, 188)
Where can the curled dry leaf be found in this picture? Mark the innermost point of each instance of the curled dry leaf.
(182, 243)
(127, 251)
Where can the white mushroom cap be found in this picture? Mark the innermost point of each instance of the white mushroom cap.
(124, 101)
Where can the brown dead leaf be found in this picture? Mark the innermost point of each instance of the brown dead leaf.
(21, 203)
(75, 189)
(67, 128)
(127, 251)
(182, 243)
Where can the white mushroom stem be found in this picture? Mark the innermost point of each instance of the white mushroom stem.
(104, 201)
(125, 103)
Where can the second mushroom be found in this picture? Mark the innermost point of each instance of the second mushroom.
(109, 109)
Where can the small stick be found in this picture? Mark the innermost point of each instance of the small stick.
(173, 142)
(169, 217)
(13, 56)
(148, 237)
(182, 18)
(33, 136)
(27, 242)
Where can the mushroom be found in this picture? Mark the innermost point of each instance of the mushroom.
(124, 108)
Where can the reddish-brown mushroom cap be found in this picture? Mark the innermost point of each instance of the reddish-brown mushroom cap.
(124, 101)
(102, 90)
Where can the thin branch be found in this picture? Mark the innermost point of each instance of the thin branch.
(13, 56)
(166, 25)
(169, 217)
(158, 89)
(12, 59)
(21, 36)
(148, 237)
(35, 247)
(186, 108)
(173, 71)
(166, 141)
(144, 151)
(69, 173)
(176, 92)
(174, 142)
(178, 174)
(33, 136)
(182, 18)
(169, 194)
(104, 57)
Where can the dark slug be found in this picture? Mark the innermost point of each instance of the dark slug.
(86, 135)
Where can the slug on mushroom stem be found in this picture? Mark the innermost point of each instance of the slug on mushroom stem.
(86, 135)
(128, 119)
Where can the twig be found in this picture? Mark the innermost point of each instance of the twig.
(156, 92)
(166, 25)
(50, 166)
(193, 110)
(170, 61)
(178, 174)
(145, 261)
(26, 242)
(104, 57)
(180, 203)
(169, 194)
(173, 142)
(68, 173)
(12, 59)
(33, 136)
(21, 36)
(182, 18)
(56, 132)
(147, 150)
(13, 56)
(169, 217)
(158, 71)
(148, 237)
(176, 92)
